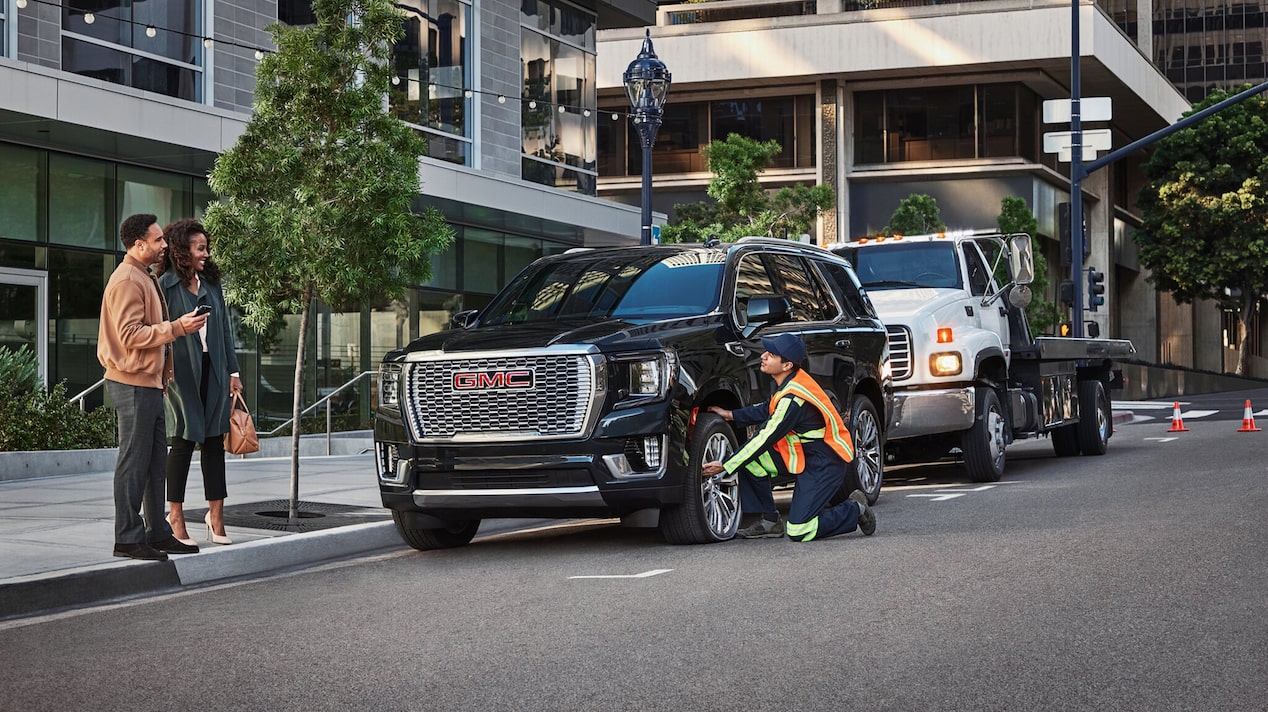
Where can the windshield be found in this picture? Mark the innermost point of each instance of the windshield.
(906, 265)
(596, 285)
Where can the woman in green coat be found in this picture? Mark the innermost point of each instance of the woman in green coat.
(198, 403)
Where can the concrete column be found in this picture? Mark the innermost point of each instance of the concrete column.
(829, 153)
(1145, 27)
(1100, 226)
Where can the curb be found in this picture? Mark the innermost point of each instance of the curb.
(1123, 416)
(41, 594)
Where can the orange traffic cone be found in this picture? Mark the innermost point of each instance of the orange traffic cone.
(1177, 425)
(1248, 421)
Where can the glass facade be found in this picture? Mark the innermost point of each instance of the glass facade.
(688, 127)
(558, 111)
(1203, 45)
(433, 82)
(945, 123)
(155, 45)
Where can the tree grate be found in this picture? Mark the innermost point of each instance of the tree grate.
(272, 515)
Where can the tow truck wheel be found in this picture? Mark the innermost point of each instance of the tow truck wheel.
(456, 534)
(1095, 418)
(710, 510)
(983, 444)
(867, 471)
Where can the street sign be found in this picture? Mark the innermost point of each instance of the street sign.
(1065, 154)
(1092, 108)
(655, 234)
(1096, 139)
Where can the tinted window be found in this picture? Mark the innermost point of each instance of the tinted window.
(751, 279)
(979, 274)
(809, 302)
(848, 289)
(652, 286)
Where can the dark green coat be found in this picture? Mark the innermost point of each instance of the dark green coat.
(184, 417)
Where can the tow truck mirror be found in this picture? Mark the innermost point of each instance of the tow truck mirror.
(464, 319)
(766, 311)
(1021, 261)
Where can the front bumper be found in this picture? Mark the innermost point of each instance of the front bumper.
(931, 412)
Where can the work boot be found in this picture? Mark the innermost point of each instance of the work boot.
(763, 528)
(867, 517)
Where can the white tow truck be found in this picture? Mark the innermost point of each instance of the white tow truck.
(967, 373)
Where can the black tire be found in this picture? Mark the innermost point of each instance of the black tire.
(710, 509)
(983, 444)
(457, 534)
(1065, 441)
(1096, 421)
(867, 471)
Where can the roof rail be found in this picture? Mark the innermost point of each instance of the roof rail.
(778, 242)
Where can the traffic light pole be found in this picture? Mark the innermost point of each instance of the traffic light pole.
(1079, 171)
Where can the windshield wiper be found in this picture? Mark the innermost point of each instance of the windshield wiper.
(890, 283)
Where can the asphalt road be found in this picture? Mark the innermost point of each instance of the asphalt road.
(1132, 581)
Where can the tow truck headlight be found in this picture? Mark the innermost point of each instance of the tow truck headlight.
(390, 385)
(945, 364)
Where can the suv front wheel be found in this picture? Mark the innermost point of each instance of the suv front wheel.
(710, 510)
(866, 472)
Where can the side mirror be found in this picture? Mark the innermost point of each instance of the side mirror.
(1021, 261)
(766, 311)
(464, 319)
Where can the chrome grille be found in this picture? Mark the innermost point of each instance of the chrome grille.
(899, 351)
(560, 403)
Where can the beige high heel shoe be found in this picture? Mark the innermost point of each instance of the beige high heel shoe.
(214, 537)
(189, 542)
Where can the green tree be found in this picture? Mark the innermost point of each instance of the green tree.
(1014, 217)
(1205, 213)
(741, 206)
(917, 214)
(315, 196)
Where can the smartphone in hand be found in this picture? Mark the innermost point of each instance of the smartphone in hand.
(202, 309)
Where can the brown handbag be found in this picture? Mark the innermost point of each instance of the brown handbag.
(241, 438)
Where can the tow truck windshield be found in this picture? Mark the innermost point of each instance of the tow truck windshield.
(906, 265)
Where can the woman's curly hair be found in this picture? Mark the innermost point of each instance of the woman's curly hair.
(179, 259)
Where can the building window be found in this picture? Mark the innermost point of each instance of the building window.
(946, 123)
(432, 88)
(296, 12)
(154, 46)
(559, 107)
(687, 127)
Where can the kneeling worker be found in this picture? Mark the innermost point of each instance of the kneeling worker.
(804, 435)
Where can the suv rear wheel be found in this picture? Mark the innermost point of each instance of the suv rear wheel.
(710, 510)
(866, 472)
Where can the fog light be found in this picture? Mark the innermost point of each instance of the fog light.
(947, 364)
(651, 452)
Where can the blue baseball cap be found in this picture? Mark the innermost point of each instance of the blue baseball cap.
(786, 346)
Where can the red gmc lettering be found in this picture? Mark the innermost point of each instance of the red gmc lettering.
(520, 378)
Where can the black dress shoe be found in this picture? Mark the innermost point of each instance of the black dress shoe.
(172, 545)
(145, 552)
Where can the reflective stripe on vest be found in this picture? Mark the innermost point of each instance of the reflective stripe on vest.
(835, 434)
(806, 531)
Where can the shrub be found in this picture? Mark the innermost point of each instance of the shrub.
(34, 419)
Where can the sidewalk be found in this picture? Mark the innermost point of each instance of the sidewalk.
(57, 533)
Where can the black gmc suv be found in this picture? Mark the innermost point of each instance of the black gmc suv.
(583, 388)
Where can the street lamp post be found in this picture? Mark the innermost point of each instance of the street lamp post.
(646, 84)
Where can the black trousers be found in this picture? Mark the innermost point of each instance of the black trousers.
(212, 460)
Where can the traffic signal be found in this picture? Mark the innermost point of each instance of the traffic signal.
(1095, 288)
(1065, 329)
(1066, 292)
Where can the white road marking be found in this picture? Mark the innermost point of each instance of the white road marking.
(938, 497)
(1163, 440)
(645, 574)
(1144, 405)
(1197, 413)
(983, 488)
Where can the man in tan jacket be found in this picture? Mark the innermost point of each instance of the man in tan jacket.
(133, 344)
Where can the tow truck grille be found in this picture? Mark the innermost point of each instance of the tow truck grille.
(899, 351)
(557, 404)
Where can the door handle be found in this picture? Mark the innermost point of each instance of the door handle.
(843, 344)
(735, 347)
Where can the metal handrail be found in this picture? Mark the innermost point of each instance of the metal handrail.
(329, 414)
(87, 390)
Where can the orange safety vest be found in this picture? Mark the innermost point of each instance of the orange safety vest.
(835, 433)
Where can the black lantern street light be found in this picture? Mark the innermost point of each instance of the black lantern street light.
(646, 84)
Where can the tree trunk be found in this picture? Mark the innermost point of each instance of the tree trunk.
(1250, 314)
(292, 520)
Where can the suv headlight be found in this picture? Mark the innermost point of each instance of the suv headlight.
(648, 377)
(390, 385)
